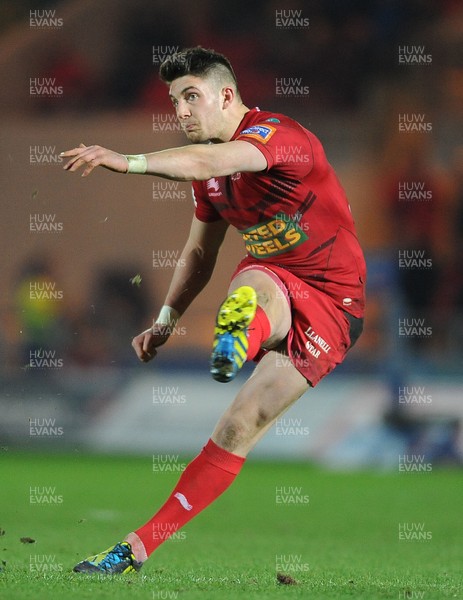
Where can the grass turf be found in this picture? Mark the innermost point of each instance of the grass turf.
(338, 538)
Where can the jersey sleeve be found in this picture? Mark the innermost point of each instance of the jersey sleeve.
(286, 146)
(204, 210)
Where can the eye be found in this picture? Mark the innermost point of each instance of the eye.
(192, 96)
(174, 102)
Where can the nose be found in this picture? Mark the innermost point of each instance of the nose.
(183, 110)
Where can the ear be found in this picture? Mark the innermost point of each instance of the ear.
(228, 95)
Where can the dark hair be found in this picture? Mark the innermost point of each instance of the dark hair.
(194, 61)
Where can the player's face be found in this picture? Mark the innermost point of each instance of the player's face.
(198, 103)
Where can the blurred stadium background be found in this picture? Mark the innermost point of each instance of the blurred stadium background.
(74, 250)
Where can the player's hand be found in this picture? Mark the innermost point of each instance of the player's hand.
(90, 157)
(146, 343)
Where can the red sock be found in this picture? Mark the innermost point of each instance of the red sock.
(258, 332)
(204, 480)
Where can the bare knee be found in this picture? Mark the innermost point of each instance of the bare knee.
(266, 395)
(230, 434)
(237, 429)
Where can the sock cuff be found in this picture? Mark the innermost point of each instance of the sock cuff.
(262, 319)
(258, 332)
(227, 461)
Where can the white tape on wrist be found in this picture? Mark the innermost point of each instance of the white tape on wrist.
(168, 316)
(137, 163)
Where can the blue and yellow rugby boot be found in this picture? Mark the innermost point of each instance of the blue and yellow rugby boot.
(230, 346)
(116, 560)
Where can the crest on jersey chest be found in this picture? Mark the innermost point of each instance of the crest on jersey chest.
(213, 187)
(219, 186)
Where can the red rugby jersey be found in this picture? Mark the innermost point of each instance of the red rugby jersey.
(294, 214)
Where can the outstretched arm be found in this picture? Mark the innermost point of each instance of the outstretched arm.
(191, 275)
(186, 163)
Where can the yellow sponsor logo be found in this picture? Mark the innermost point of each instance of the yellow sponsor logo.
(275, 236)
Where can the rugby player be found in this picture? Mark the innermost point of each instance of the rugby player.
(295, 303)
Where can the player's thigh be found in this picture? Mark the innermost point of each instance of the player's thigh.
(271, 298)
(273, 387)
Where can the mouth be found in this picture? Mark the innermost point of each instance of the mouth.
(189, 127)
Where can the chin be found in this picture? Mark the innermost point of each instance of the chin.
(195, 138)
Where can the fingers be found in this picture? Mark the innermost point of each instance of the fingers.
(143, 346)
(88, 169)
(146, 343)
(88, 156)
(143, 355)
(147, 339)
(74, 151)
(76, 158)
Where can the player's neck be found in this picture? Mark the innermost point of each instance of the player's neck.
(234, 118)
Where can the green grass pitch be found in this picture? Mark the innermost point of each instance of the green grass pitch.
(338, 537)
